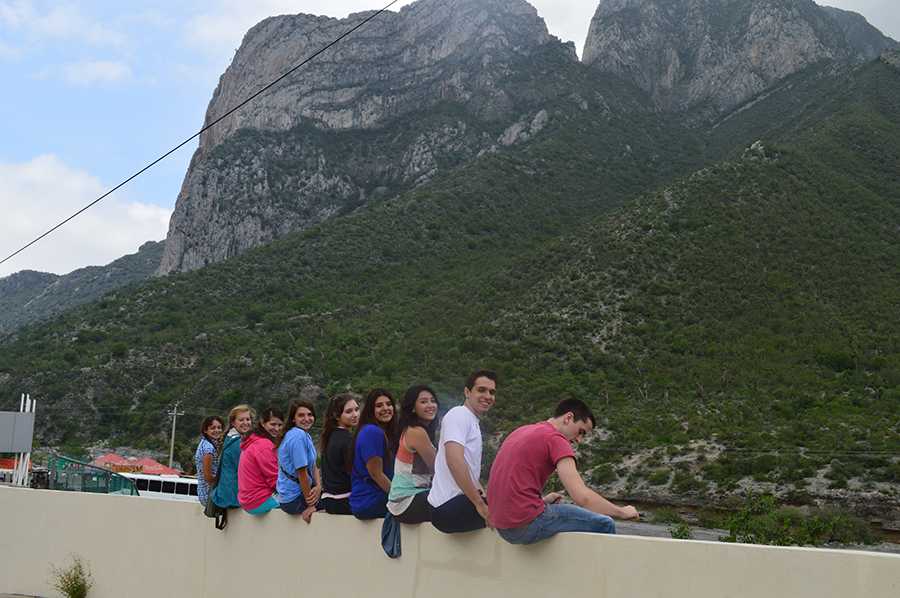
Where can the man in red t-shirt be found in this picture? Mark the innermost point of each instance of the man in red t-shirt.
(526, 460)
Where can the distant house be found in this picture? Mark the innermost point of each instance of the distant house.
(7, 466)
(144, 465)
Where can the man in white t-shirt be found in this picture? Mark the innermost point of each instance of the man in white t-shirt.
(456, 495)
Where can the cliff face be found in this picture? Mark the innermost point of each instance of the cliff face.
(396, 64)
(892, 58)
(341, 131)
(715, 54)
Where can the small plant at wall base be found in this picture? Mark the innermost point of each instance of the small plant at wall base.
(74, 581)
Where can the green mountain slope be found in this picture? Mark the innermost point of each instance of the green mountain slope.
(331, 306)
(751, 307)
(28, 296)
(737, 327)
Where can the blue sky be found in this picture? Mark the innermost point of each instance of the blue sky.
(94, 90)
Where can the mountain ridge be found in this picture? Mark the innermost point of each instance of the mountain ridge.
(716, 54)
(28, 297)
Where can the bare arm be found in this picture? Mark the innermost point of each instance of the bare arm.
(587, 498)
(207, 469)
(316, 491)
(303, 480)
(456, 462)
(375, 467)
(310, 495)
(417, 440)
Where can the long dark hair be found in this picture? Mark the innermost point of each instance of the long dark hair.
(367, 416)
(264, 416)
(207, 422)
(408, 415)
(332, 416)
(292, 411)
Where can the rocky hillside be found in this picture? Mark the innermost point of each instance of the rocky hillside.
(27, 297)
(715, 54)
(412, 94)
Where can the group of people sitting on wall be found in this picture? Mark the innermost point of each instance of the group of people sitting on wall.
(376, 459)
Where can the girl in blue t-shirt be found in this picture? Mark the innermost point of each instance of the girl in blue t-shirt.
(206, 457)
(373, 456)
(299, 484)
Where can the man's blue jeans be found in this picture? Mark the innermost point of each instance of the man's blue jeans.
(556, 519)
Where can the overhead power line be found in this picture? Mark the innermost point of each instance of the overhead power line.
(201, 131)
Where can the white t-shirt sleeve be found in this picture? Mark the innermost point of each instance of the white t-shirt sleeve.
(455, 427)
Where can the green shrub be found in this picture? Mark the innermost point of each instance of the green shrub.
(685, 483)
(74, 581)
(711, 519)
(762, 521)
(659, 477)
(681, 531)
(603, 474)
(666, 515)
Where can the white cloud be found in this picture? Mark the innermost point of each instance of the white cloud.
(63, 21)
(40, 193)
(223, 25)
(95, 71)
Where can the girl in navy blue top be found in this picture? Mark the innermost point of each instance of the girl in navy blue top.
(373, 456)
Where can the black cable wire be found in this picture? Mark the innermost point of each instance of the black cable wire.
(198, 133)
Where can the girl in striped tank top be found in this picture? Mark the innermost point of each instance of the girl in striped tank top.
(414, 461)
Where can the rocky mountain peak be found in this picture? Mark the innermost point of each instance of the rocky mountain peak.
(372, 76)
(341, 131)
(716, 54)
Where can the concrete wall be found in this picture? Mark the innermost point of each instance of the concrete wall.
(141, 548)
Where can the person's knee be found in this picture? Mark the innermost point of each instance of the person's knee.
(510, 536)
(605, 524)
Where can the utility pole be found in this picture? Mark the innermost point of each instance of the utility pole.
(174, 413)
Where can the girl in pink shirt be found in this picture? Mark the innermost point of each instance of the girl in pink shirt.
(258, 468)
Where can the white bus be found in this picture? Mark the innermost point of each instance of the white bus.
(166, 487)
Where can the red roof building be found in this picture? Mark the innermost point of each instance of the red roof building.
(133, 465)
(155, 467)
(110, 459)
(8, 462)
